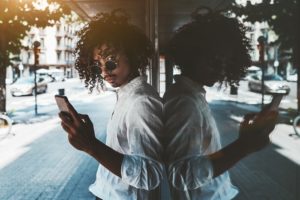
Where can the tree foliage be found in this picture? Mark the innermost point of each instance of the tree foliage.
(282, 16)
(17, 17)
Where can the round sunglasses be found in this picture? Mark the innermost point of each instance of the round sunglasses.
(110, 65)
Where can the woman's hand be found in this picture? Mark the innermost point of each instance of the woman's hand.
(81, 135)
(80, 130)
(255, 130)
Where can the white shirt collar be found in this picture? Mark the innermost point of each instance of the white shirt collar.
(130, 86)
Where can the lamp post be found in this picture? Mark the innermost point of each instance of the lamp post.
(36, 51)
(261, 49)
(276, 64)
(21, 68)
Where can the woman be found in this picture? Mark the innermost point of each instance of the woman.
(212, 48)
(130, 166)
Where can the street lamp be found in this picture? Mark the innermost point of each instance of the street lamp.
(36, 51)
(21, 68)
(261, 49)
(276, 64)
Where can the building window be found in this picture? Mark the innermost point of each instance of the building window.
(58, 55)
(42, 43)
(58, 41)
(58, 28)
(28, 56)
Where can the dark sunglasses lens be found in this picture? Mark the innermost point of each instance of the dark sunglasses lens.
(96, 68)
(111, 65)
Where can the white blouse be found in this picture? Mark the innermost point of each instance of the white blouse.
(191, 135)
(134, 130)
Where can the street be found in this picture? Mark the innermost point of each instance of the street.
(272, 173)
(37, 162)
(253, 98)
(73, 86)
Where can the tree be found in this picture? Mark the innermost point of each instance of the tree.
(16, 18)
(283, 17)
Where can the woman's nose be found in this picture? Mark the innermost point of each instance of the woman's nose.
(103, 69)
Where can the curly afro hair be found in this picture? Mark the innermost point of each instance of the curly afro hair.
(111, 29)
(209, 37)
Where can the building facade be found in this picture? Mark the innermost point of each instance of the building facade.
(56, 50)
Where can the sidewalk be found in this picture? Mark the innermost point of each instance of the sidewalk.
(272, 173)
(38, 163)
(286, 113)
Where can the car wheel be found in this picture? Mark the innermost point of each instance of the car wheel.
(264, 90)
(250, 87)
(45, 89)
(33, 92)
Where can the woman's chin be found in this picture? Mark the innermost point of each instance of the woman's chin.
(114, 84)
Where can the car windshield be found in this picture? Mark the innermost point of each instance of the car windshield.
(25, 80)
(273, 78)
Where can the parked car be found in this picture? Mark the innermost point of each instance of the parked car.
(44, 73)
(273, 84)
(8, 81)
(253, 70)
(292, 77)
(57, 74)
(25, 86)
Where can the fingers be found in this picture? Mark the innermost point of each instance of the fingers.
(249, 116)
(65, 117)
(86, 119)
(67, 128)
(248, 119)
(67, 122)
(82, 117)
(261, 123)
(266, 123)
(72, 126)
(74, 113)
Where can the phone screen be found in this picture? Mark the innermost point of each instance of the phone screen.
(62, 103)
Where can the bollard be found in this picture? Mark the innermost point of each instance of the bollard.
(61, 91)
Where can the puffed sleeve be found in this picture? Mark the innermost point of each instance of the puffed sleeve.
(186, 127)
(142, 168)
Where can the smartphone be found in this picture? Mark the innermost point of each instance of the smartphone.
(63, 103)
